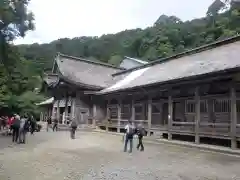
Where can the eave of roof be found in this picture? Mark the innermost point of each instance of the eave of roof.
(185, 53)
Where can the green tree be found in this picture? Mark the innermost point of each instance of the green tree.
(15, 21)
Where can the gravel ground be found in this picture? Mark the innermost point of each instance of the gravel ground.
(93, 156)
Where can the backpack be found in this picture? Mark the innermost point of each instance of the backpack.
(16, 123)
(130, 130)
(74, 124)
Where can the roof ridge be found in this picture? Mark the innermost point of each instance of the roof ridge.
(188, 52)
(89, 61)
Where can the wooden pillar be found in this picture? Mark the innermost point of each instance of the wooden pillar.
(66, 108)
(197, 115)
(73, 104)
(94, 115)
(149, 116)
(133, 111)
(107, 116)
(233, 118)
(119, 110)
(170, 116)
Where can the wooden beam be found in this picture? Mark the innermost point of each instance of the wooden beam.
(197, 115)
(233, 117)
(170, 116)
(149, 115)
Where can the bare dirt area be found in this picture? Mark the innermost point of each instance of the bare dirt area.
(95, 156)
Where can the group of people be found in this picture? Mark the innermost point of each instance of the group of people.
(130, 131)
(18, 126)
(73, 126)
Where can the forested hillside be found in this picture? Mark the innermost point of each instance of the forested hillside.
(168, 35)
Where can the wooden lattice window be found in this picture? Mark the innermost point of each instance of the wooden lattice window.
(203, 106)
(113, 112)
(222, 105)
(156, 108)
(238, 105)
(140, 111)
(190, 106)
(126, 111)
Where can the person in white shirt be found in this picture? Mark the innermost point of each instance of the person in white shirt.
(22, 129)
(130, 130)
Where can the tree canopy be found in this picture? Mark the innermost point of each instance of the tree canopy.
(19, 77)
(168, 35)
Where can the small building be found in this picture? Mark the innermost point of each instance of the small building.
(194, 93)
(129, 63)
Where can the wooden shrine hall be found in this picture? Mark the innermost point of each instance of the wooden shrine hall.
(194, 93)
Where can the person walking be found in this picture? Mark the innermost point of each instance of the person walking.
(140, 132)
(55, 125)
(129, 136)
(33, 125)
(23, 129)
(73, 129)
(49, 122)
(15, 128)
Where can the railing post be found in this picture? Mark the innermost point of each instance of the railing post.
(233, 117)
(197, 115)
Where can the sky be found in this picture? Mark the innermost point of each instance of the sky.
(56, 19)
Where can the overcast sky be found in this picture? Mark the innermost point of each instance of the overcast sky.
(56, 19)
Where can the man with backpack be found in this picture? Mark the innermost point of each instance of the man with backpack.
(129, 136)
(55, 125)
(140, 132)
(73, 129)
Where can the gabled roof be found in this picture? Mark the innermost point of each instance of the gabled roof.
(83, 72)
(215, 57)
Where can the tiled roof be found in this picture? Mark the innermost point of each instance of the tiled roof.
(85, 72)
(215, 57)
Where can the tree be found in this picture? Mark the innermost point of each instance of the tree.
(15, 21)
(168, 36)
